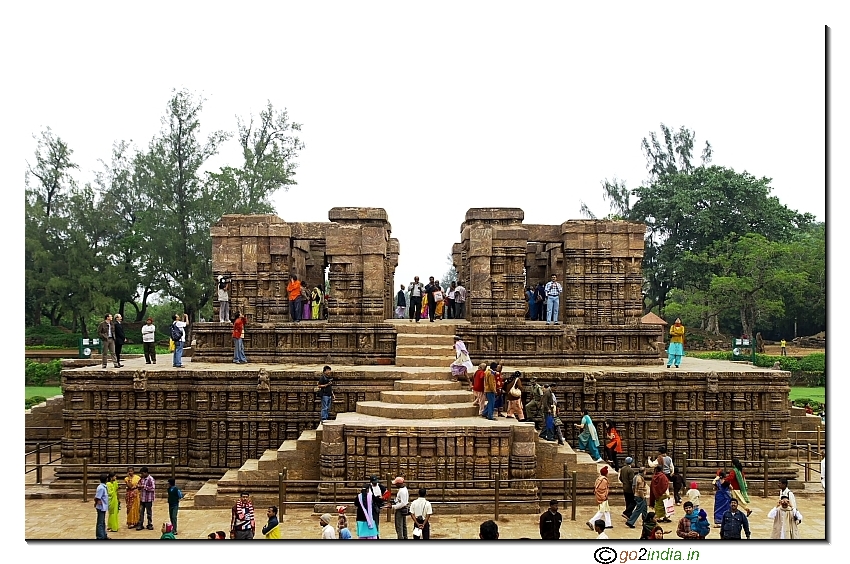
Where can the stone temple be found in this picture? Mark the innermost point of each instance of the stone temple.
(396, 409)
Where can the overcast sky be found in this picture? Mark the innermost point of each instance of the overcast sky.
(429, 109)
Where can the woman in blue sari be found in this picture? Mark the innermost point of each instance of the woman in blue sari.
(588, 440)
(722, 497)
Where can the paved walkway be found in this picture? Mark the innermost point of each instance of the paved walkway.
(73, 519)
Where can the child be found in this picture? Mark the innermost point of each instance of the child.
(599, 527)
(342, 524)
(272, 529)
(678, 482)
(174, 497)
(693, 495)
(701, 525)
(648, 526)
(166, 532)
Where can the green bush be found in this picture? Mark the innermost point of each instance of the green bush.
(35, 400)
(38, 373)
(815, 405)
(47, 336)
(713, 355)
(815, 362)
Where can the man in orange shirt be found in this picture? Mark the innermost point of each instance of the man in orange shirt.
(614, 445)
(238, 335)
(295, 299)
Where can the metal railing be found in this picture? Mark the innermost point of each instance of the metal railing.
(763, 465)
(85, 470)
(806, 440)
(38, 467)
(568, 483)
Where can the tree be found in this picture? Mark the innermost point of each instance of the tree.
(450, 275)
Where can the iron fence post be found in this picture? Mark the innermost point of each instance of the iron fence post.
(496, 500)
(573, 511)
(85, 479)
(280, 490)
(283, 502)
(173, 468)
(38, 463)
(764, 491)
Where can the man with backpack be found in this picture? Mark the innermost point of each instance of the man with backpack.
(178, 335)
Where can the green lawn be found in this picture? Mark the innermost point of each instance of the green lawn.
(48, 391)
(817, 394)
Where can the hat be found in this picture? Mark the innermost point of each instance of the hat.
(326, 517)
(373, 478)
(517, 374)
(784, 496)
(629, 460)
(693, 485)
(604, 471)
(399, 480)
(702, 513)
(340, 509)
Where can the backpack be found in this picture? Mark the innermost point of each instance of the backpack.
(176, 332)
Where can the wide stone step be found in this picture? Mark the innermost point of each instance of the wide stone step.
(429, 397)
(423, 339)
(411, 411)
(424, 385)
(441, 373)
(441, 351)
(427, 328)
(424, 361)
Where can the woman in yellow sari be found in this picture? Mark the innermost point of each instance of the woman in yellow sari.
(424, 314)
(132, 498)
(438, 313)
(112, 524)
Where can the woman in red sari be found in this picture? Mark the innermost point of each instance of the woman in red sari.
(132, 499)
(738, 482)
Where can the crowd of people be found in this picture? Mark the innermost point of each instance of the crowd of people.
(139, 496)
(431, 301)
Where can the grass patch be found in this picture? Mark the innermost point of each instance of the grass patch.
(816, 394)
(44, 391)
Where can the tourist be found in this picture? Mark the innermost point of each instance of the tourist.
(421, 511)
(639, 489)
(220, 535)
(782, 350)
(430, 290)
(514, 397)
(649, 525)
(785, 520)
(553, 300)
(380, 491)
(488, 530)
(722, 496)
(732, 523)
(449, 309)
(678, 483)
(149, 341)
(223, 300)
(478, 388)
(174, 497)
(272, 528)
(242, 523)
(556, 421)
(532, 304)
(179, 342)
(296, 300)
(400, 303)
(440, 301)
(588, 440)
(167, 532)
(328, 531)
(600, 490)
(147, 487)
(614, 445)
(548, 407)
(401, 508)
(786, 491)
(460, 301)
(540, 299)
(462, 365)
(212, 536)
(699, 523)
(627, 478)
(738, 482)
(676, 348)
(342, 524)
(326, 392)
(239, 339)
(500, 391)
(131, 497)
(807, 408)
(534, 408)
(490, 390)
(685, 527)
(659, 491)
(316, 299)
(693, 495)
(368, 511)
(101, 505)
(550, 522)
(599, 529)
(120, 337)
(417, 290)
(112, 523)
(106, 332)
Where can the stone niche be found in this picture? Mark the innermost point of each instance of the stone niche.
(598, 264)
(260, 253)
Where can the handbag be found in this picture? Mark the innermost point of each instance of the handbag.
(171, 345)
(515, 393)
(438, 296)
(669, 506)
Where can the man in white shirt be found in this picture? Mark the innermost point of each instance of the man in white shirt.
(417, 289)
(786, 492)
(401, 508)
(179, 343)
(421, 511)
(328, 531)
(553, 300)
(785, 520)
(223, 300)
(460, 301)
(101, 503)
